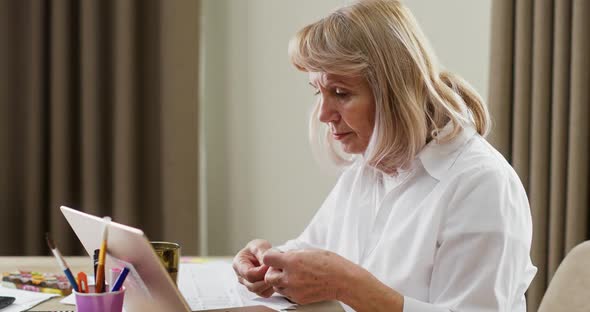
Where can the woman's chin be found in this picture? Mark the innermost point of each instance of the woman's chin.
(351, 149)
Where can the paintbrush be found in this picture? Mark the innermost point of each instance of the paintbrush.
(61, 261)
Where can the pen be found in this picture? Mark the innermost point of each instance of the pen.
(95, 261)
(119, 283)
(115, 272)
(100, 274)
(61, 261)
(82, 282)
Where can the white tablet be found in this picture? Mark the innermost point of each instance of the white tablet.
(148, 285)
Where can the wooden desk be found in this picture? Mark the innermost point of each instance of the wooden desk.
(77, 264)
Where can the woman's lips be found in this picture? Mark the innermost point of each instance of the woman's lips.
(340, 136)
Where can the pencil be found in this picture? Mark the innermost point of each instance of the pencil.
(61, 261)
(100, 274)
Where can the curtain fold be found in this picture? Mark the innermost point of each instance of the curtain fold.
(87, 120)
(540, 99)
(538, 139)
(501, 76)
(559, 135)
(579, 130)
(522, 89)
(179, 81)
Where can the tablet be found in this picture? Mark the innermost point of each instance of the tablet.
(148, 286)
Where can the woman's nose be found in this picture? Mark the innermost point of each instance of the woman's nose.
(328, 113)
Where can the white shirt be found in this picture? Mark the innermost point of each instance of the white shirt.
(453, 233)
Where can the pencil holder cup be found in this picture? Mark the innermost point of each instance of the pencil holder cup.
(100, 302)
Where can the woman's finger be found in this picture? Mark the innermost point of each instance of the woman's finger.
(274, 277)
(284, 291)
(244, 266)
(267, 293)
(258, 247)
(275, 258)
(256, 286)
(255, 274)
(243, 261)
(248, 262)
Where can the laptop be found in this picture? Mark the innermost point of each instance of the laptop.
(148, 286)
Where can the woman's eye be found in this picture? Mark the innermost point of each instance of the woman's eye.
(340, 92)
(316, 92)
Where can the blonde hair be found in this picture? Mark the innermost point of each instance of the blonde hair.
(381, 41)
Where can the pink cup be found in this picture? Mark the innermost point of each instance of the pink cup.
(100, 302)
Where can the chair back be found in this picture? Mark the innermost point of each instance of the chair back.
(569, 290)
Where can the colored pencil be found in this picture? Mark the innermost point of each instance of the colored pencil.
(100, 273)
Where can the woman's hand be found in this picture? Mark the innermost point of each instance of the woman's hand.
(250, 269)
(312, 275)
(308, 275)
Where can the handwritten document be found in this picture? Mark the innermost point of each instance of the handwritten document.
(214, 285)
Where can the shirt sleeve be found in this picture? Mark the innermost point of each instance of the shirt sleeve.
(412, 305)
(482, 262)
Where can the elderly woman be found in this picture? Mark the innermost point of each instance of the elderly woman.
(426, 216)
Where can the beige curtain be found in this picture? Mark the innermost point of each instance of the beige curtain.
(540, 103)
(98, 111)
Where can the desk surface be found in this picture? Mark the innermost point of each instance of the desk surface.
(48, 264)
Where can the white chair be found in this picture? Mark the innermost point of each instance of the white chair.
(569, 289)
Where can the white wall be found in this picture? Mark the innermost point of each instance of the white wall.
(260, 179)
(459, 31)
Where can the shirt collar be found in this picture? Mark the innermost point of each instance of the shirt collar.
(437, 158)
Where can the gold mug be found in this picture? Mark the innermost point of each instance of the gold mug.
(169, 254)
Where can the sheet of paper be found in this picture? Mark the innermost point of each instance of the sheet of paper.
(71, 299)
(275, 302)
(213, 285)
(24, 299)
(205, 286)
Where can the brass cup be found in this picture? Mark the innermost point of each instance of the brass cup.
(169, 254)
